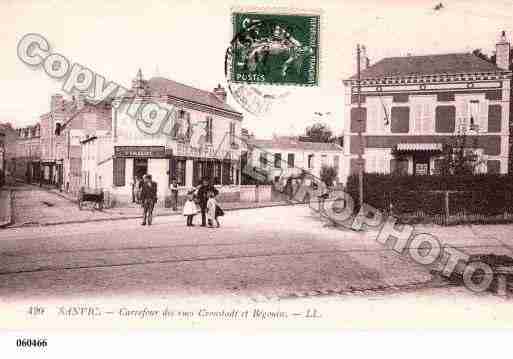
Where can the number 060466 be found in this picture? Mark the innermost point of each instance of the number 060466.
(32, 342)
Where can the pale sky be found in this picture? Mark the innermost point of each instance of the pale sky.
(186, 42)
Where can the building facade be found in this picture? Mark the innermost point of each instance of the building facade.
(281, 158)
(28, 153)
(8, 137)
(412, 106)
(62, 129)
(199, 141)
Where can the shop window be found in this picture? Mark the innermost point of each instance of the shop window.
(227, 173)
(217, 173)
(119, 172)
(400, 120)
(445, 119)
(290, 160)
(177, 171)
(277, 160)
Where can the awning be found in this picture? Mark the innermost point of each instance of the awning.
(419, 147)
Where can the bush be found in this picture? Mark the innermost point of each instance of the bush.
(486, 194)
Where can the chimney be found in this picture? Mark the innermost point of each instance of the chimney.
(56, 103)
(220, 93)
(502, 52)
(364, 60)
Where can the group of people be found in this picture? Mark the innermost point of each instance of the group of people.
(204, 195)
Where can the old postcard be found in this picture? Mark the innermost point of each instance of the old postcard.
(248, 165)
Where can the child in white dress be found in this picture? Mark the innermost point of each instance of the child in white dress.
(211, 210)
(190, 209)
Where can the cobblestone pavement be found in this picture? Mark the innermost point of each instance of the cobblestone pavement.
(40, 206)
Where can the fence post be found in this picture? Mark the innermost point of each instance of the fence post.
(446, 210)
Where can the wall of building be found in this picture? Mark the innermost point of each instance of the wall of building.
(481, 99)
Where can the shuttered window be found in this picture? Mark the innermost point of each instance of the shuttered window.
(445, 119)
(119, 172)
(358, 118)
(400, 120)
(494, 118)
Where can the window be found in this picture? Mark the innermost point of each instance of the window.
(232, 133)
(399, 166)
(336, 161)
(177, 171)
(400, 120)
(494, 118)
(358, 119)
(324, 160)
(119, 172)
(263, 159)
(445, 96)
(310, 161)
(445, 119)
(493, 166)
(209, 135)
(494, 95)
(290, 160)
(473, 115)
(277, 160)
(401, 97)
(354, 99)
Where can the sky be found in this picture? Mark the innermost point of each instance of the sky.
(186, 41)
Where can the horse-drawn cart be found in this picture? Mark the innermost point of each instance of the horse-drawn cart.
(90, 195)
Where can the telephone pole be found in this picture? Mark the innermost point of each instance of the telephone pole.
(360, 126)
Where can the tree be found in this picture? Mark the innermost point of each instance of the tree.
(328, 174)
(457, 158)
(319, 132)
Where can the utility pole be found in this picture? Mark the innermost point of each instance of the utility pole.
(360, 125)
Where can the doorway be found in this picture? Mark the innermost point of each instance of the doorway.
(140, 167)
(421, 165)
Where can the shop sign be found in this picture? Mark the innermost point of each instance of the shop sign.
(140, 151)
(185, 150)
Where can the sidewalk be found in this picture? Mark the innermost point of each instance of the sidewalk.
(45, 206)
(5, 207)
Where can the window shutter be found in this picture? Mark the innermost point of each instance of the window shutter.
(119, 172)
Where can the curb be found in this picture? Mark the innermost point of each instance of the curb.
(10, 218)
(140, 216)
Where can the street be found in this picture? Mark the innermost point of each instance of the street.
(266, 256)
(274, 252)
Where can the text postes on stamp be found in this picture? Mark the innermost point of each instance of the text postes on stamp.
(281, 49)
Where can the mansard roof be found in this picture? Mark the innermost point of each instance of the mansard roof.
(458, 63)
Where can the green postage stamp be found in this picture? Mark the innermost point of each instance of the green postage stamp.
(275, 48)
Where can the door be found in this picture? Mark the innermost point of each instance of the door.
(421, 165)
(140, 167)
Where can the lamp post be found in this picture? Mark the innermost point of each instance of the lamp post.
(360, 125)
(2, 158)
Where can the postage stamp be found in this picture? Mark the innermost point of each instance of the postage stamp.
(275, 48)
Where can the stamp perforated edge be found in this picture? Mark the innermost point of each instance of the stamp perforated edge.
(282, 11)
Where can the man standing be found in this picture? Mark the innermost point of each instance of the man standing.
(202, 194)
(148, 199)
(174, 194)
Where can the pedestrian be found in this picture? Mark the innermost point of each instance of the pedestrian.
(202, 195)
(219, 213)
(174, 194)
(148, 199)
(137, 189)
(190, 209)
(211, 210)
